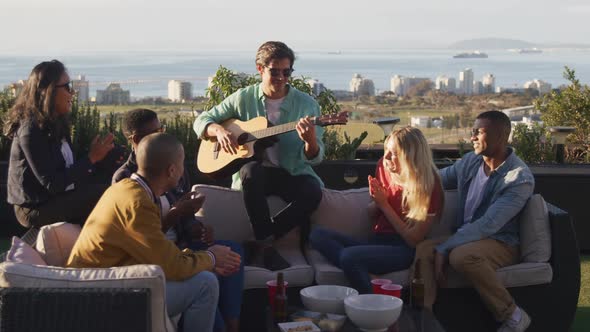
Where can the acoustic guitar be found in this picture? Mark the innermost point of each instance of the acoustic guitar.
(215, 162)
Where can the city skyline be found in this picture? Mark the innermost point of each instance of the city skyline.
(68, 26)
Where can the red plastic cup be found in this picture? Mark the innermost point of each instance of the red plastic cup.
(377, 283)
(392, 289)
(272, 290)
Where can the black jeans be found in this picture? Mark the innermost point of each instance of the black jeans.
(302, 193)
(72, 206)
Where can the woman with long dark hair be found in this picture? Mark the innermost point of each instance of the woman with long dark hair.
(45, 184)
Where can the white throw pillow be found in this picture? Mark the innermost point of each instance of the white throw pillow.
(55, 242)
(20, 252)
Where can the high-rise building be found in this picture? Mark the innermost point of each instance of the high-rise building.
(400, 85)
(539, 85)
(81, 86)
(489, 83)
(445, 84)
(316, 86)
(180, 91)
(466, 81)
(113, 95)
(477, 88)
(360, 86)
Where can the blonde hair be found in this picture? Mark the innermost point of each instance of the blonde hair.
(418, 175)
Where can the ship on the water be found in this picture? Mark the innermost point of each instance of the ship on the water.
(471, 55)
(529, 50)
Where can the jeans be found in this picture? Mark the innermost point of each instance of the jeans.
(303, 193)
(196, 298)
(382, 253)
(230, 287)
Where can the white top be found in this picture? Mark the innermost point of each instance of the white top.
(273, 114)
(68, 155)
(475, 193)
(164, 209)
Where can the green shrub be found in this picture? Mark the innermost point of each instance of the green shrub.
(532, 145)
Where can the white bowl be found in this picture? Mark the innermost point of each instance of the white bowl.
(373, 312)
(326, 298)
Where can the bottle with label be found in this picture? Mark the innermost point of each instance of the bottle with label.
(280, 300)
(417, 287)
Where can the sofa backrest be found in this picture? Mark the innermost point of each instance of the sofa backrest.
(346, 212)
(55, 242)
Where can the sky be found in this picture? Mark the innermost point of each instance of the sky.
(77, 26)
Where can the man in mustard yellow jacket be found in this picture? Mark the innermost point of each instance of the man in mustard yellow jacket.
(125, 229)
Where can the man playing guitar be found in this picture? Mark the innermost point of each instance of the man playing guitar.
(285, 169)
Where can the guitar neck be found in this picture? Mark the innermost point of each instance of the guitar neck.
(276, 130)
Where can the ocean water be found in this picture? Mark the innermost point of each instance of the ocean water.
(147, 74)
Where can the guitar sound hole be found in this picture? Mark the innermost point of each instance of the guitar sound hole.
(243, 138)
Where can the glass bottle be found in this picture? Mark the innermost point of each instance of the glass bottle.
(417, 287)
(280, 300)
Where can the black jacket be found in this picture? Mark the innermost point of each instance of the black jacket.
(37, 169)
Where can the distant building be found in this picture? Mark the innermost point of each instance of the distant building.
(489, 83)
(316, 86)
(180, 91)
(81, 86)
(466, 81)
(500, 89)
(113, 95)
(477, 88)
(445, 84)
(539, 85)
(400, 85)
(419, 121)
(360, 86)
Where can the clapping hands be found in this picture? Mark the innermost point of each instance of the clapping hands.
(377, 191)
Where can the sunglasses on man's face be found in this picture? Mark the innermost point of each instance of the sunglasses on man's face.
(68, 86)
(274, 72)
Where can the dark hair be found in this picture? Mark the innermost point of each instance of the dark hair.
(274, 50)
(499, 120)
(136, 119)
(36, 102)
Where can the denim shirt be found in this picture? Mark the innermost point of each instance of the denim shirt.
(249, 103)
(505, 194)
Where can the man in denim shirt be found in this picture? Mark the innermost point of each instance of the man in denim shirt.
(493, 186)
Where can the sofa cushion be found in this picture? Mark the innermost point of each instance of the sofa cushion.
(328, 274)
(345, 211)
(535, 232)
(224, 210)
(20, 252)
(522, 274)
(55, 242)
(134, 276)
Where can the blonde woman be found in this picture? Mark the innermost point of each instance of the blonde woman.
(406, 197)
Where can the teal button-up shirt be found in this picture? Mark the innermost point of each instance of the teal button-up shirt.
(248, 103)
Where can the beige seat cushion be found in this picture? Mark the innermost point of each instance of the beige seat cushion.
(134, 276)
(344, 211)
(224, 210)
(55, 242)
(522, 274)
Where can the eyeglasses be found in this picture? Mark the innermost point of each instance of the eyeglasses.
(274, 72)
(68, 86)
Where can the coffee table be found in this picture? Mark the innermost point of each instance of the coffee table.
(410, 320)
